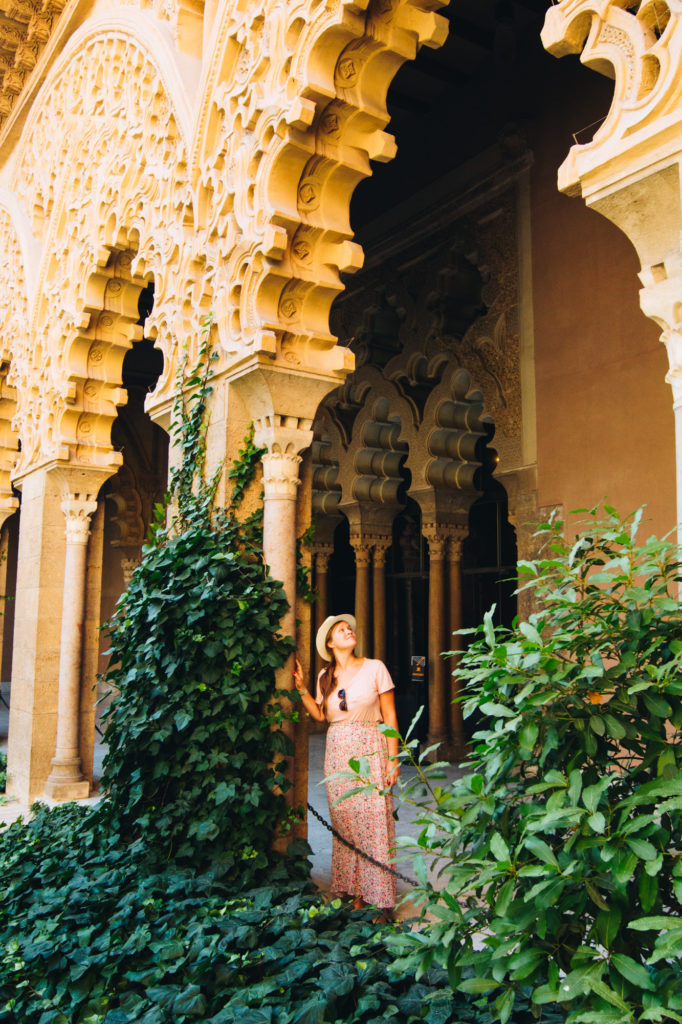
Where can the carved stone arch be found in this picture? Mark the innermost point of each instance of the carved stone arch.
(640, 47)
(371, 472)
(293, 122)
(17, 266)
(445, 456)
(104, 172)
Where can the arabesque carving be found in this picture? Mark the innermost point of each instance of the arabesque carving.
(639, 45)
(25, 27)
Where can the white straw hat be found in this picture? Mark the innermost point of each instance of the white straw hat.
(323, 632)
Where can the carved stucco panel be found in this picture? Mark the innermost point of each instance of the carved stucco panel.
(640, 46)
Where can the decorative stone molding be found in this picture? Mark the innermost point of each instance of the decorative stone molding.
(632, 169)
(25, 28)
(640, 46)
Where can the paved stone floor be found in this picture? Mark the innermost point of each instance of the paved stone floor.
(319, 838)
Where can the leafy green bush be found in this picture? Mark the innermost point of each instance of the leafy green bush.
(561, 847)
(166, 903)
(90, 936)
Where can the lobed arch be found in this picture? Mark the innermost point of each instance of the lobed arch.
(101, 172)
(292, 111)
(17, 285)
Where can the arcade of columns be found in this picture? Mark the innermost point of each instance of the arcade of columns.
(213, 149)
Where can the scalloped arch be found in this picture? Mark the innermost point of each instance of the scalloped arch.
(104, 174)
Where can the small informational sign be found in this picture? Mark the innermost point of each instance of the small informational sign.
(418, 668)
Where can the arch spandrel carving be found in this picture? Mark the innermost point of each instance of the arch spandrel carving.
(640, 47)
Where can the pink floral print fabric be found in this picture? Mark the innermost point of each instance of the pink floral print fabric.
(366, 820)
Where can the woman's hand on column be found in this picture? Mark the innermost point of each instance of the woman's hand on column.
(299, 681)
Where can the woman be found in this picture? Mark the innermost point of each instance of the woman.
(354, 695)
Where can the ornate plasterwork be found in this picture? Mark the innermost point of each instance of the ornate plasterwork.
(294, 109)
(13, 329)
(244, 213)
(102, 176)
(639, 44)
(25, 27)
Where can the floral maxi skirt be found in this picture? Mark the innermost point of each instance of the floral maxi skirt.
(366, 820)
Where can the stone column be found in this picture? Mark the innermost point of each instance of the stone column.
(363, 560)
(4, 549)
(379, 599)
(673, 343)
(66, 780)
(455, 643)
(437, 668)
(322, 556)
(280, 488)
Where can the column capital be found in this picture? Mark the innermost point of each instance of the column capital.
(455, 547)
(78, 513)
(129, 564)
(379, 555)
(280, 475)
(363, 551)
(321, 554)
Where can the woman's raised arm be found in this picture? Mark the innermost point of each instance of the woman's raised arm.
(311, 706)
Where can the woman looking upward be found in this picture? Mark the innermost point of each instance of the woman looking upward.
(355, 695)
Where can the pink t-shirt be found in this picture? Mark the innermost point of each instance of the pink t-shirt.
(362, 694)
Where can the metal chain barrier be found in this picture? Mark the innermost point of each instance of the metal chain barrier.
(361, 853)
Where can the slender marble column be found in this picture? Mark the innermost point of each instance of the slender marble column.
(438, 670)
(322, 557)
(455, 643)
(280, 487)
(66, 780)
(363, 558)
(379, 600)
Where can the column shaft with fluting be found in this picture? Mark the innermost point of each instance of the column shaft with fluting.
(66, 780)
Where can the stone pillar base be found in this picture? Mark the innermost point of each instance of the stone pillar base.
(66, 781)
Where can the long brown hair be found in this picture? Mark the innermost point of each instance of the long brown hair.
(327, 681)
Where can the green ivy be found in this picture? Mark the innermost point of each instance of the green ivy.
(166, 904)
(560, 849)
(303, 585)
